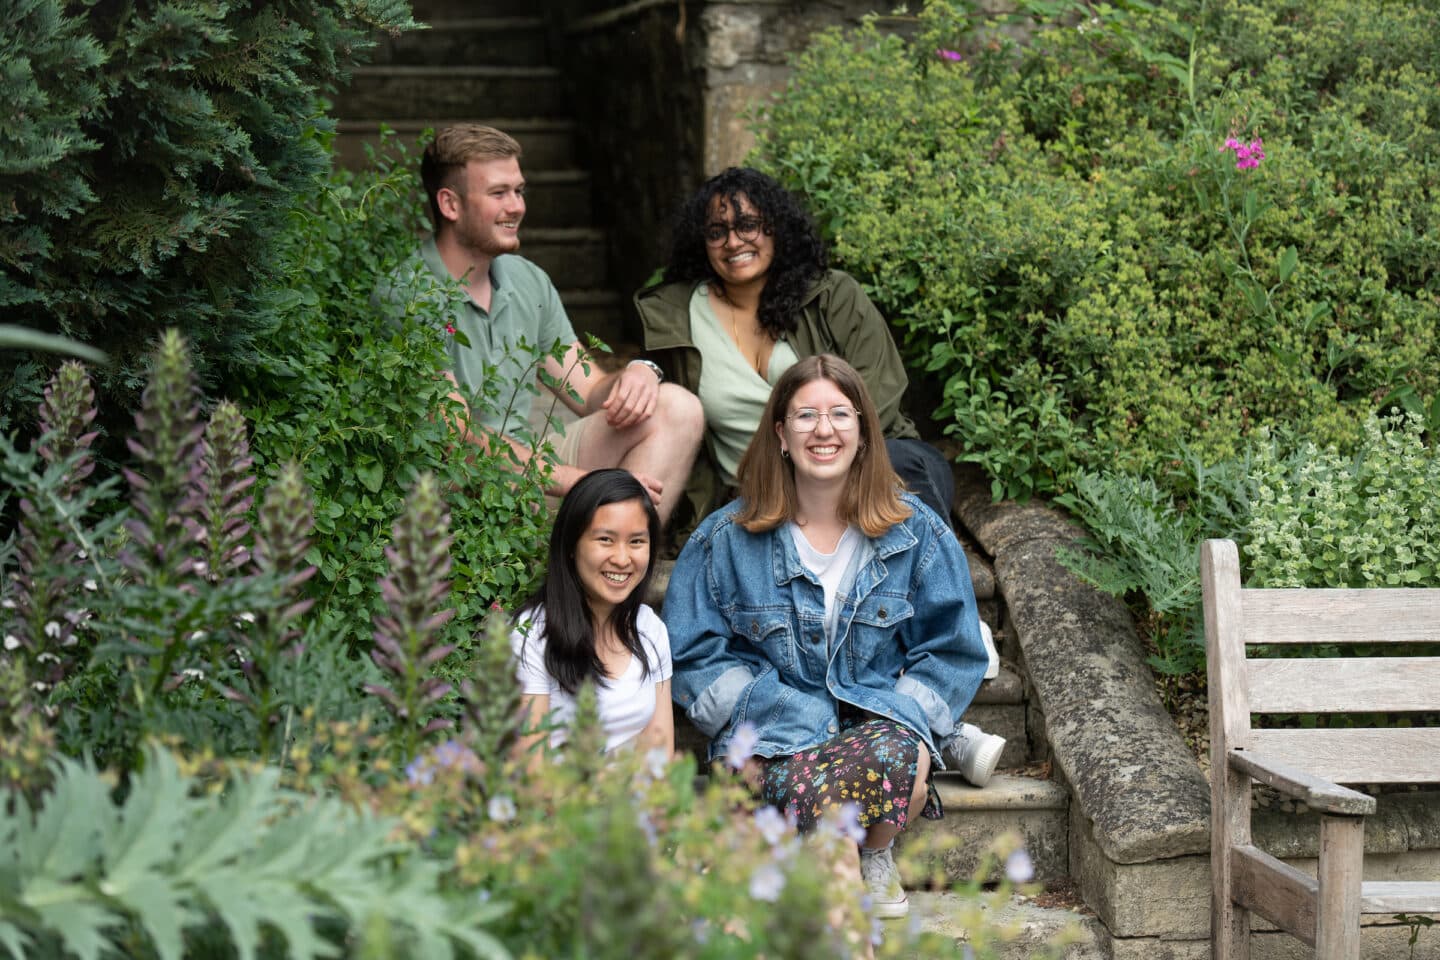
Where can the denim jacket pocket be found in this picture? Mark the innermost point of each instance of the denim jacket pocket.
(768, 631)
(873, 628)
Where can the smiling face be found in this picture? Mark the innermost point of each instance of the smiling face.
(825, 454)
(485, 213)
(612, 555)
(736, 261)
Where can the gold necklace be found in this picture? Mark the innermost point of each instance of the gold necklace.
(735, 335)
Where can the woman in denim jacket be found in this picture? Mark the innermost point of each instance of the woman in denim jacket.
(824, 624)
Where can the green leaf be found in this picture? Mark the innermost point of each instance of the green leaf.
(1289, 260)
(23, 338)
(372, 476)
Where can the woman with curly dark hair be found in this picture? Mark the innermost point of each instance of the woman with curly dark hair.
(748, 294)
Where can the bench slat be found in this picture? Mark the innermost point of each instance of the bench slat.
(1344, 685)
(1360, 755)
(1275, 890)
(1391, 896)
(1389, 615)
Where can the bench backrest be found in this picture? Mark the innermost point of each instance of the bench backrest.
(1287, 682)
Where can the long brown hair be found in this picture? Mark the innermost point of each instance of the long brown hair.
(767, 479)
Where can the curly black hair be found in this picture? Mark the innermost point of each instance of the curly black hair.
(800, 257)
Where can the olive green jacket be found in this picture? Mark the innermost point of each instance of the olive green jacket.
(835, 317)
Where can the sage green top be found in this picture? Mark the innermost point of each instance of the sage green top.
(525, 319)
(732, 394)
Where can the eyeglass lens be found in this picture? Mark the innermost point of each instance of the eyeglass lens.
(746, 228)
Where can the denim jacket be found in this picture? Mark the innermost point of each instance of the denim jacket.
(746, 621)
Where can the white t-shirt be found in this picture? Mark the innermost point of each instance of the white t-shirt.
(836, 570)
(626, 702)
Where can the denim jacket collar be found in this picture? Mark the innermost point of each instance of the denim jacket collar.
(785, 559)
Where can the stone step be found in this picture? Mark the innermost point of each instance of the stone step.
(412, 92)
(472, 41)
(1030, 927)
(574, 258)
(1035, 809)
(548, 143)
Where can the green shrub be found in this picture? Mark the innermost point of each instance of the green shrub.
(1366, 517)
(177, 870)
(149, 153)
(1058, 231)
(352, 395)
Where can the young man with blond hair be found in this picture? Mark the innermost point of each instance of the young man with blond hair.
(629, 418)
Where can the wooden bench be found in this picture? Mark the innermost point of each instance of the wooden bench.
(1310, 764)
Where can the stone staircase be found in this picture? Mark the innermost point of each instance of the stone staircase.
(490, 61)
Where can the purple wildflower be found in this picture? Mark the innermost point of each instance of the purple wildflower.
(742, 745)
(766, 882)
(951, 55)
(1019, 868)
(772, 824)
(1247, 155)
(849, 822)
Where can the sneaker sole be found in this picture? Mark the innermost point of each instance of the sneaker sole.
(893, 911)
(992, 668)
(987, 757)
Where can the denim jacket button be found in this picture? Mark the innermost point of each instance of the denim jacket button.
(883, 613)
(831, 728)
(754, 628)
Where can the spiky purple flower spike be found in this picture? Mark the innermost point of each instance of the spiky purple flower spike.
(407, 638)
(165, 484)
(52, 579)
(223, 500)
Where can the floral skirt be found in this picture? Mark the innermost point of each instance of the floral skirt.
(871, 763)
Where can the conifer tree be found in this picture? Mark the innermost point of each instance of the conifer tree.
(149, 156)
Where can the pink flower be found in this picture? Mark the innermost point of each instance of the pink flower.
(952, 55)
(449, 328)
(1247, 155)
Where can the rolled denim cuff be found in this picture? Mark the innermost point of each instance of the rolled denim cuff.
(937, 711)
(712, 709)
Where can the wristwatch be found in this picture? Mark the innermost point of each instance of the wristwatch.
(654, 367)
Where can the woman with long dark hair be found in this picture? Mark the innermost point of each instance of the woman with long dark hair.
(825, 625)
(586, 622)
(748, 292)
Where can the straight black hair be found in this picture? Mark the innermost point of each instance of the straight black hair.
(570, 655)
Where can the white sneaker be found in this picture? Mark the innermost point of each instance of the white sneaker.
(974, 753)
(882, 880)
(986, 637)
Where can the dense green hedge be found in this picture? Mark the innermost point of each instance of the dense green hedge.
(1060, 233)
(1172, 264)
(149, 156)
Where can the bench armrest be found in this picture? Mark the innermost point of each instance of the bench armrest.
(1318, 793)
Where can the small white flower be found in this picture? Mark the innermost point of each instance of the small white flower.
(501, 808)
(191, 673)
(248, 617)
(657, 759)
(52, 629)
(766, 882)
(91, 585)
(197, 636)
(12, 642)
(47, 657)
(82, 555)
(7, 603)
(39, 686)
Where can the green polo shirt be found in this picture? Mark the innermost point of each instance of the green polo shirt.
(525, 316)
